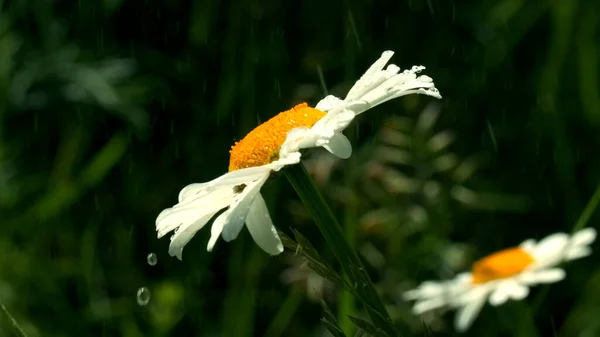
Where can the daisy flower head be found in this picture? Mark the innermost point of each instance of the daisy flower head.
(502, 276)
(273, 145)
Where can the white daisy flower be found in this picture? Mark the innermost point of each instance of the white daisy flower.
(273, 145)
(502, 276)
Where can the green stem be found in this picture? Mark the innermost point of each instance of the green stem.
(345, 309)
(346, 302)
(346, 306)
(346, 256)
(20, 331)
(588, 211)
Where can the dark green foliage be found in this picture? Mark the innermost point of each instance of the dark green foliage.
(367, 327)
(313, 260)
(108, 108)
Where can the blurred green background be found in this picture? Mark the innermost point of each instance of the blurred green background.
(108, 108)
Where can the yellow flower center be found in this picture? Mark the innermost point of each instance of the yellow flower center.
(503, 264)
(261, 146)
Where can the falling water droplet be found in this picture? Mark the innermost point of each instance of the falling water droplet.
(152, 259)
(143, 296)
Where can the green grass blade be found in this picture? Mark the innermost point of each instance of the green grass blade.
(13, 321)
(334, 236)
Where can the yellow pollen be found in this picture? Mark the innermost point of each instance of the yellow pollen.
(503, 264)
(261, 146)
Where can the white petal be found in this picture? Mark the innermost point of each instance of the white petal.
(499, 296)
(184, 234)
(545, 276)
(183, 215)
(551, 250)
(528, 246)
(193, 189)
(413, 294)
(432, 289)
(428, 305)
(577, 253)
(370, 77)
(238, 211)
(320, 134)
(508, 289)
(380, 63)
(519, 292)
(465, 278)
(578, 245)
(425, 290)
(284, 160)
(333, 122)
(216, 229)
(391, 70)
(368, 93)
(583, 237)
(385, 86)
(339, 146)
(341, 120)
(298, 138)
(261, 227)
(231, 179)
(393, 82)
(328, 103)
(467, 314)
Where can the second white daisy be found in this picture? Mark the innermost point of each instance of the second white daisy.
(502, 276)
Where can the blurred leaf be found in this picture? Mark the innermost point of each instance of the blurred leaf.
(330, 322)
(368, 327)
(582, 319)
(166, 306)
(588, 64)
(61, 197)
(9, 45)
(312, 257)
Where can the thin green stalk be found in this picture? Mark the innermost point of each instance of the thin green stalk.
(583, 219)
(588, 211)
(346, 256)
(15, 325)
(346, 306)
